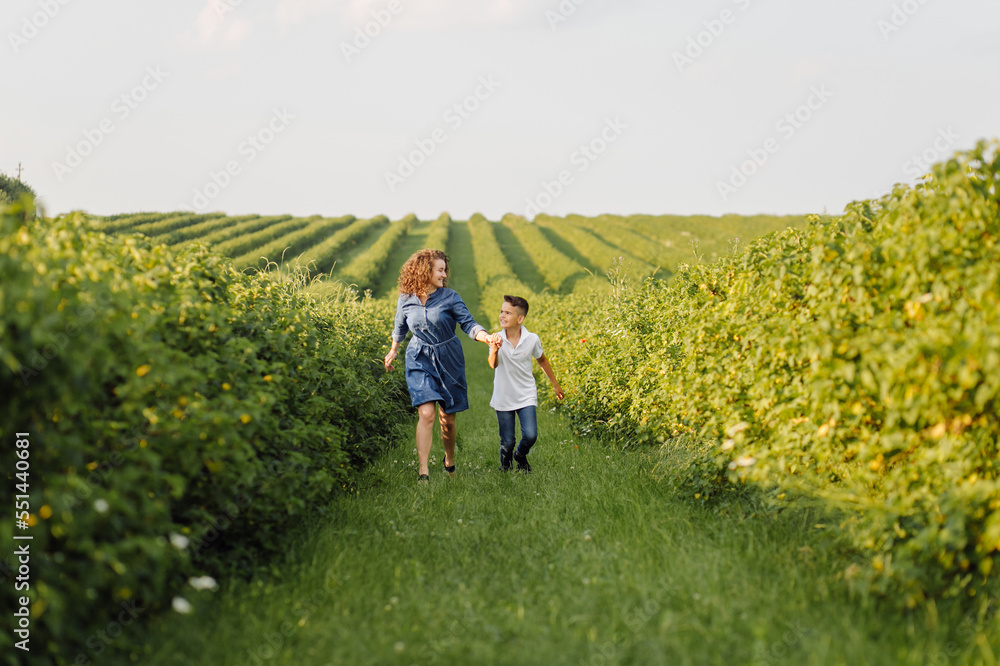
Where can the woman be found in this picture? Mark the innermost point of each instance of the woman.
(435, 364)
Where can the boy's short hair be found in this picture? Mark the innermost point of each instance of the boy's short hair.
(517, 302)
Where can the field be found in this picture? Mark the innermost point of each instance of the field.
(555, 255)
(778, 444)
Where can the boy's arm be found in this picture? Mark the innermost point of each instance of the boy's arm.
(543, 363)
(493, 358)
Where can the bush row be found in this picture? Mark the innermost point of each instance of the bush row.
(322, 257)
(494, 273)
(118, 223)
(292, 245)
(246, 242)
(854, 363)
(556, 268)
(616, 232)
(600, 255)
(166, 225)
(239, 229)
(437, 235)
(182, 416)
(697, 238)
(202, 229)
(365, 269)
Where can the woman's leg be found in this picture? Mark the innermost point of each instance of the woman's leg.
(425, 434)
(448, 432)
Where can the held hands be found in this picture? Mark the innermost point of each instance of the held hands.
(494, 340)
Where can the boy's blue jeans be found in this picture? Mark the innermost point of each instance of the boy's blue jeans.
(529, 433)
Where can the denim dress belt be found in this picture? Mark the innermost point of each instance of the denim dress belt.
(436, 362)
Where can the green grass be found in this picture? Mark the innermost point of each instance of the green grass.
(462, 276)
(588, 560)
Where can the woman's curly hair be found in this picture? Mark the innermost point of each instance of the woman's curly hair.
(415, 275)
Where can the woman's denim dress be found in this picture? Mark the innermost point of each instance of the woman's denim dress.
(435, 363)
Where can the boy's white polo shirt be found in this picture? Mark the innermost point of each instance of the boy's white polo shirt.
(513, 384)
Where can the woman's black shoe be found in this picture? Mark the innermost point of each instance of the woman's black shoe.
(423, 478)
(450, 470)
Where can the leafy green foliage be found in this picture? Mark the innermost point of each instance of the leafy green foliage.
(129, 221)
(201, 229)
(12, 189)
(437, 235)
(366, 268)
(172, 223)
(248, 239)
(493, 272)
(238, 230)
(855, 363)
(555, 267)
(183, 416)
(678, 239)
(597, 252)
(291, 245)
(323, 256)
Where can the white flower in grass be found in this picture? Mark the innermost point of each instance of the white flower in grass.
(737, 429)
(182, 605)
(745, 461)
(179, 541)
(101, 506)
(203, 583)
(728, 444)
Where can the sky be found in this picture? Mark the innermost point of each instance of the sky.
(369, 107)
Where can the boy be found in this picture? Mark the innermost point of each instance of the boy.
(514, 390)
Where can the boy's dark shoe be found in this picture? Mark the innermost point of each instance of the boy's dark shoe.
(522, 463)
(505, 455)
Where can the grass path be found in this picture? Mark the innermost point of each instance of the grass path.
(588, 560)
